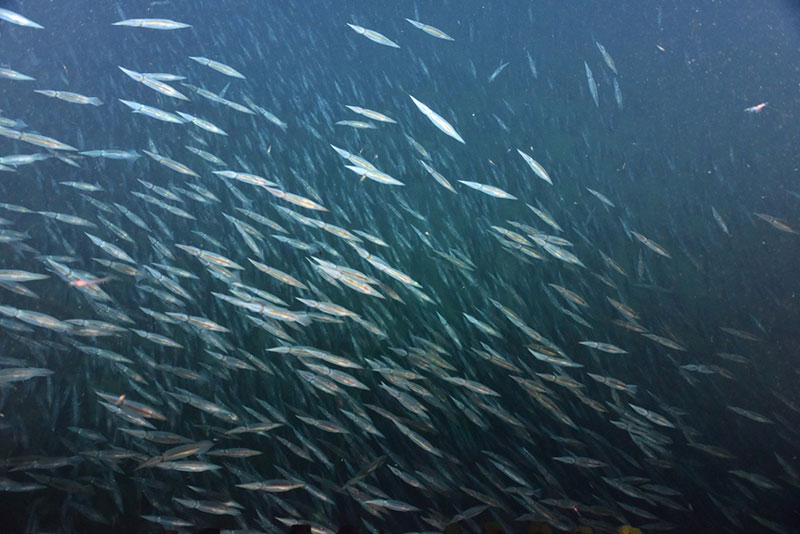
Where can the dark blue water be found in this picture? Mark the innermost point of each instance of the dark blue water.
(680, 142)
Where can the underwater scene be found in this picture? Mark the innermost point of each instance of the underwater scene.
(409, 266)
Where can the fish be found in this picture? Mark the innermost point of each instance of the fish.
(14, 275)
(652, 245)
(618, 95)
(534, 165)
(430, 30)
(719, 220)
(374, 115)
(11, 74)
(160, 114)
(606, 57)
(750, 414)
(111, 154)
(35, 318)
(171, 164)
(374, 36)
(488, 190)
(592, 84)
(392, 504)
(600, 196)
(437, 120)
(776, 223)
(152, 24)
(19, 374)
(271, 486)
(110, 249)
(202, 123)
(209, 157)
(374, 174)
(73, 98)
(36, 139)
(497, 71)
(604, 347)
(651, 416)
(356, 124)
(15, 18)
(219, 67)
(155, 83)
(532, 65)
(438, 177)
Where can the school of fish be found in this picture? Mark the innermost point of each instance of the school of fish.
(215, 311)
